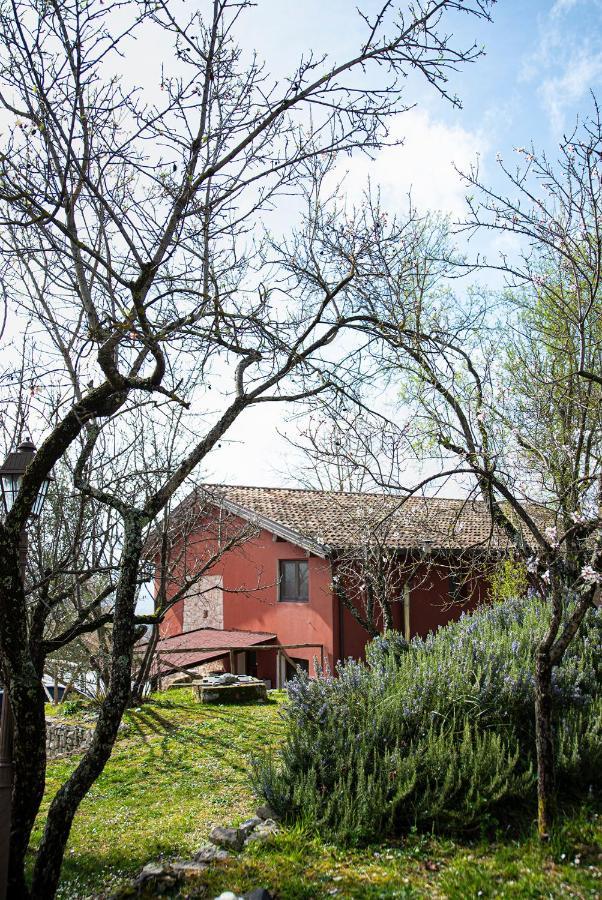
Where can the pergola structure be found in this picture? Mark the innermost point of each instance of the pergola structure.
(165, 665)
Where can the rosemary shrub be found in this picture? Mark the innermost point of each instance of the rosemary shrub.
(435, 734)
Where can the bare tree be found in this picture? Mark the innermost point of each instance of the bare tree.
(398, 534)
(340, 445)
(512, 404)
(369, 577)
(128, 223)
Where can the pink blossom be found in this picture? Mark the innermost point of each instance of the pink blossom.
(590, 576)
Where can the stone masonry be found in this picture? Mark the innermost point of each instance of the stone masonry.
(64, 740)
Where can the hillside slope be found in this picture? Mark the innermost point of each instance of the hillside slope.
(178, 769)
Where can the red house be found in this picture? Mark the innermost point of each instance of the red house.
(270, 602)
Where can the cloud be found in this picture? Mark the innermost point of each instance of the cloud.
(423, 165)
(562, 6)
(561, 93)
(567, 61)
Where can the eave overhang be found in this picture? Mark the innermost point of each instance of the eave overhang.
(281, 531)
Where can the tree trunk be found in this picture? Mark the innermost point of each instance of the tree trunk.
(544, 740)
(385, 605)
(22, 675)
(6, 789)
(67, 800)
(145, 667)
(27, 701)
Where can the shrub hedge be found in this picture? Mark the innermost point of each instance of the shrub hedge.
(435, 734)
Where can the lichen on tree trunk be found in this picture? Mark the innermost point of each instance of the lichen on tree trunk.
(21, 673)
(66, 802)
(544, 740)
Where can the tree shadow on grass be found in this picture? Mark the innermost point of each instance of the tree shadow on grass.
(225, 713)
(217, 735)
(155, 723)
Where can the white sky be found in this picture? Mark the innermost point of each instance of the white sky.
(542, 59)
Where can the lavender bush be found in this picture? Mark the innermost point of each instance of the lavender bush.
(438, 733)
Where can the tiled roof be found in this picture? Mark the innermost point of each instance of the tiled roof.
(323, 520)
(213, 643)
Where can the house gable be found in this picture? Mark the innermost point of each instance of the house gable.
(295, 525)
(253, 517)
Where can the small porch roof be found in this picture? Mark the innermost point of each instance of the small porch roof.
(191, 648)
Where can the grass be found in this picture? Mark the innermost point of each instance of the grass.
(179, 768)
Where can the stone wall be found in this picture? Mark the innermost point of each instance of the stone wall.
(63, 740)
(204, 604)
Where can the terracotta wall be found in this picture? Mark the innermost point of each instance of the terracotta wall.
(250, 603)
(250, 598)
(252, 572)
(431, 604)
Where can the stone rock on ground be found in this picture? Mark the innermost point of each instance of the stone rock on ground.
(250, 825)
(188, 868)
(152, 870)
(161, 878)
(266, 812)
(227, 837)
(156, 876)
(210, 853)
(263, 832)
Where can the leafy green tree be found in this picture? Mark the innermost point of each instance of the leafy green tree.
(509, 579)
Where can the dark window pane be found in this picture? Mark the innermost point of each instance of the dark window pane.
(288, 580)
(252, 663)
(294, 581)
(303, 585)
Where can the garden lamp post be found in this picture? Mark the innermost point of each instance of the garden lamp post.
(11, 475)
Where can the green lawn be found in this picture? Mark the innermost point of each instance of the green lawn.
(179, 768)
